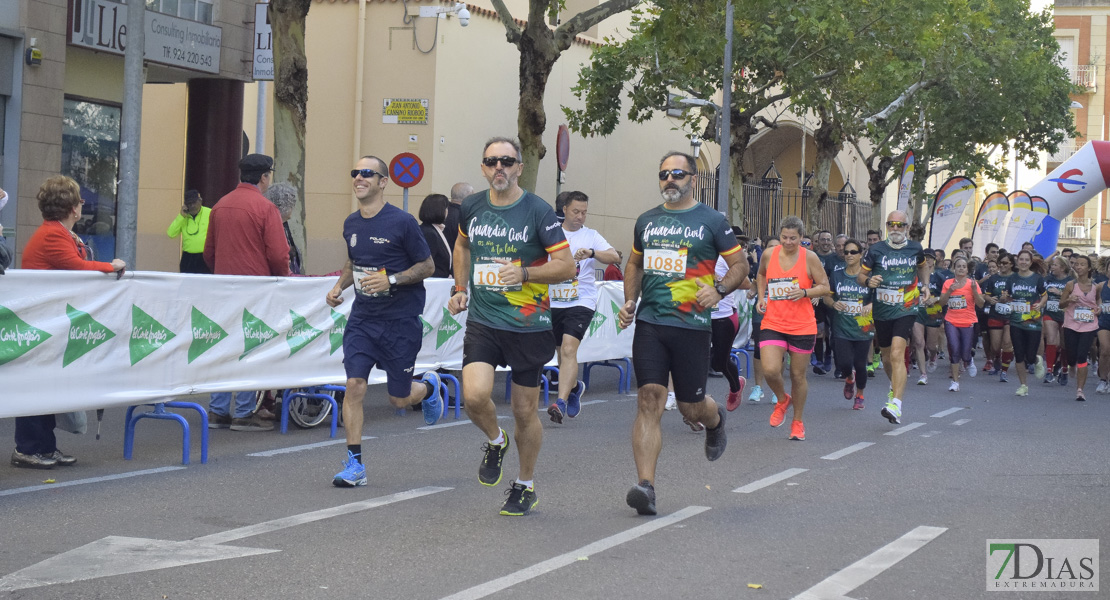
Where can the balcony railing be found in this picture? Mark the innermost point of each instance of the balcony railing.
(1084, 76)
(1064, 152)
(1076, 228)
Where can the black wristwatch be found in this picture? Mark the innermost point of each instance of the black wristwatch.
(721, 289)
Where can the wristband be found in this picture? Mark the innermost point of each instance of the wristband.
(523, 274)
(458, 290)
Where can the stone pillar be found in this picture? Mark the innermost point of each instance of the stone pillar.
(214, 137)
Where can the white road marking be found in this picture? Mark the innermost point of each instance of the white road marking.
(305, 447)
(452, 424)
(50, 486)
(563, 560)
(838, 585)
(766, 481)
(930, 434)
(846, 451)
(961, 421)
(945, 413)
(904, 429)
(115, 555)
(317, 515)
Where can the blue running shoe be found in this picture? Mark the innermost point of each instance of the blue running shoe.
(574, 402)
(352, 475)
(432, 405)
(557, 410)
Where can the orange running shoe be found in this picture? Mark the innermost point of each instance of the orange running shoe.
(780, 412)
(797, 431)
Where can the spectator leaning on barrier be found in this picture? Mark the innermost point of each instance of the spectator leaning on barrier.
(5, 254)
(284, 197)
(245, 237)
(192, 225)
(53, 246)
(459, 192)
(387, 262)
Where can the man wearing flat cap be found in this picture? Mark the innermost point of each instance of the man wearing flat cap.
(245, 237)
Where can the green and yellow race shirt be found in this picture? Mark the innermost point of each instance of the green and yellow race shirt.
(1024, 293)
(853, 323)
(1054, 286)
(524, 232)
(679, 248)
(897, 295)
(932, 316)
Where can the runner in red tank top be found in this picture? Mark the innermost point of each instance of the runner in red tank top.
(793, 280)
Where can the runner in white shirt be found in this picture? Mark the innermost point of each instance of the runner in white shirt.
(573, 302)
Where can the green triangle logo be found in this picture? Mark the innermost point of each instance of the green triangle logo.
(616, 311)
(447, 329)
(300, 334)
(206, 333)
(147, 334)
(596, 322)
(85, 333)
(335, 334)
(427, 327)
(17, 337)
(255, 333)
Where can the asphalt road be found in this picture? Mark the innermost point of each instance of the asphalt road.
(862, 509)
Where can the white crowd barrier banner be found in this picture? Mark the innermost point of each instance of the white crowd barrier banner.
(80, 340)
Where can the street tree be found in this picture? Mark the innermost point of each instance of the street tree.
(540, 47)
(287, 19)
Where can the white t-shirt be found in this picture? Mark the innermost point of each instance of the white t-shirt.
(727, 304)
(582, 289)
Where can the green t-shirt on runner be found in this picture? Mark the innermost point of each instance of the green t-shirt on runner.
(897, 295)
(1054, 286)
(1024, 293)
(993, 287)
(852, 323)
(679, 248)
(524, 232)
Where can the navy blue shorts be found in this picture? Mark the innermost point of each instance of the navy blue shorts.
(391, 346)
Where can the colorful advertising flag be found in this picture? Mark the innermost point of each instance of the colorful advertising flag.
(990, 222)
(905, 183)
(1021, 224)
(951, 202)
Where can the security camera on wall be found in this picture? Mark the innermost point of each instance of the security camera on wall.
(464, 15)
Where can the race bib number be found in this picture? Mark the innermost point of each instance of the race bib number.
(1020, 307)
(778, 288)
(564, 292)
(1083, 314)
(1052, 306)
(1002, 308)
(669, 263)
(853, 307)
(894, 296)
(487, 276)
(957, 302)
(361, 273)
(1106, 308)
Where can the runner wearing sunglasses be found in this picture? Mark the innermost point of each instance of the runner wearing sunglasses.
(853, 324)
(892, 268)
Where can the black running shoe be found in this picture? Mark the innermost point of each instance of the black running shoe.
(715, 438)
(521, 500)
(489, 472)
(642, 498)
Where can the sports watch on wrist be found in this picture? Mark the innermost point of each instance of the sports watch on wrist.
(392, 279)
(721, 289)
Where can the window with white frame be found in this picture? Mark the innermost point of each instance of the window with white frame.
(194, 10)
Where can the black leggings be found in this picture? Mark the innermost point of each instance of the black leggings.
(1025, 343)
(1078, 344)
(853, 354)
(724, 331)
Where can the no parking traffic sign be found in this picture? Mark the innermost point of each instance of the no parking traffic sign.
(406, 169)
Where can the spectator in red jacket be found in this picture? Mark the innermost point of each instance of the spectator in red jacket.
(53, 246)
(613, 271)
(245, 237)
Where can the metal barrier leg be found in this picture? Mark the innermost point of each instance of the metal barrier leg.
(159, 412)
(453, 382)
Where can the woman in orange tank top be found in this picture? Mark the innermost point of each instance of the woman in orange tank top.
(789, 283)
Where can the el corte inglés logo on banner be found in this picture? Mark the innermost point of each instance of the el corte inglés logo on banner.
(447, 329)
(147, 335)
(206, 334)
(17, 337)
(85, 333)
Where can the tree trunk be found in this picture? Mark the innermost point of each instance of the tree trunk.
(537, 57)
(287, 18)
(829, 142)
(741, 135)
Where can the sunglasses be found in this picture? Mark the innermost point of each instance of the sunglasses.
(896, 224)
(851, 252)
(677, 174)
(806, 244)
(366, 173)
(491, 161)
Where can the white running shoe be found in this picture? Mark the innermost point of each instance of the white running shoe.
(932, 366)
(971, 370)
(757, 394)
(774, 398)
(672, 402)
(954, 386)
(1039, 369)
(923, 380)
(1102, 387)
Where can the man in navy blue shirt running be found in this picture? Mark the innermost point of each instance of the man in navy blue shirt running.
(387, 262)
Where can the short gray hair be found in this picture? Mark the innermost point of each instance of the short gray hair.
(284, 197)
(793, 222)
